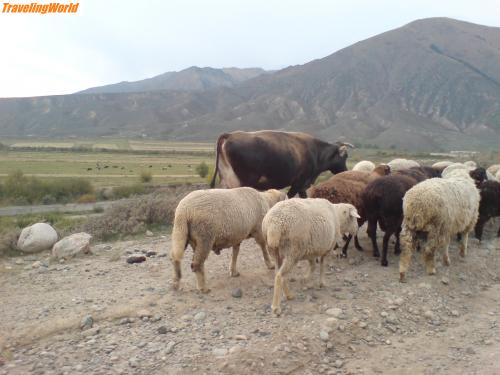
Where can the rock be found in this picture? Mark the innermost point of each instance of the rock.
(170, 347)
(240, 337)
(338, 363)
(454, 313)
(149, 233)
(445, 280)
(156, 318)
(136, 258)
(237, 293)
(91, 332)
(429, 314)
(143, 313)
(363, 325)
(37, 237)
(219, 352)
(335, 312)
(324, 336)
(332, 322)
(200, 316)
(384, 314)
(70, 246)
(151, 253)
(86, 322)
(36, 264)
(162, 330)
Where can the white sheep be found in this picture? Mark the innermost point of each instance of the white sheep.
(434, 211)
(399, 164)
(304, 229)
(493, 169)
(216, 219)
(471, 164)
(364, 166)
(497, 176)
(453, 167)
(441, 165)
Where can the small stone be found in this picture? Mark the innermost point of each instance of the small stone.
(136, 258)
(335, 312)
(36, 264)
(454, 313)
(388, 342)
(237, 293)
(156, 318)
(398, 301)
(429, 314)
(383, 314)
(144, 313)
(323, 335)
(445, 280)
(363, 325)
(91, 332)
(149, 233)
(200, 316)
(332, 322)
(151, 253)
(219, 352)
(338, 363)
(240, 337)
(86, 322)
(170, 347)
(162, 330)
(133, 362)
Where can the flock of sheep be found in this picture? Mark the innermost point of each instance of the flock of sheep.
(424, 207)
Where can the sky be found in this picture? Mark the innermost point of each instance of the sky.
(109, 41)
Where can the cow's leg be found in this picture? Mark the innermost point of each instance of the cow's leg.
(233, 272)
(292, 192)
(356, 243)
(479, 227)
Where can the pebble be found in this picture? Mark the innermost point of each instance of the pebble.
(454, 313)
(363, 325)
(445, 280)
(323, 335)
(144, 313)
(86, 322)
(36, 264)
(170, 347)
(219, 352)
(429, 314)
(383, 314)
(332, 322)
(200, 316)
(338, 363)
(162, 330)
(151, 253)
(136, 258)
(237, 293)
(335, 312)
(149, 233)
(156, 318)
(241, 337)
(91, 332)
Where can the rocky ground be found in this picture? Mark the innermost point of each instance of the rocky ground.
(99, 314)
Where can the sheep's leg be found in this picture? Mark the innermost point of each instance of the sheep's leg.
(446, 256)
(322, 271)
(429, 261)
(233, 272)
(281, 282)
(463, 244)
(198, 267)
(310, 271)
(346, 245)
(372, 233)
(356, 243)
(405, 258)
(383, 261)
(260, 241)
(177, 274)
(479, 227)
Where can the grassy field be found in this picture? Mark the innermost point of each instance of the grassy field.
(111, 163)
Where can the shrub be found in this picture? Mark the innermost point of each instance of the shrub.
(146, 176)
(48, 199)
(202, 169)
(133, 217)
(128, 190)
(86, 198)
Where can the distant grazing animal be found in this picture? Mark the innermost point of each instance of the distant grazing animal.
(489, 206)
(216, 219)
(398, 164)
(304, 229)
(274, 160)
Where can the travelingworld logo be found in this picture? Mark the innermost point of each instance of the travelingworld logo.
(40, 8)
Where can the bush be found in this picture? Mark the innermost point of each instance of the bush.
(146, 176)
(48, 199)
(202, 169)
(128, 190)
(87, 198)
(134, 217)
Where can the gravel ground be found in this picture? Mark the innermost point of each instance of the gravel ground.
(99, 314)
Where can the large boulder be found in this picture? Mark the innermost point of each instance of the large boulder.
(37, 237)
(78, 243)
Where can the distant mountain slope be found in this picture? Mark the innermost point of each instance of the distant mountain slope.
(190, 79)
(432, 84)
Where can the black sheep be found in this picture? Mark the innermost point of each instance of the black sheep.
(383, 204)
(489, 205)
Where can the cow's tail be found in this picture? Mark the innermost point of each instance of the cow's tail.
(220, 141)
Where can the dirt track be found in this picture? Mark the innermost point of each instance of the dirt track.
(442, 324)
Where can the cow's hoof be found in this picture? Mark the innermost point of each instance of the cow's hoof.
(384, 262)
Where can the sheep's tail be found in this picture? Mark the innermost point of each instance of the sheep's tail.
(273, 237)
(220, 141)
(180, 235)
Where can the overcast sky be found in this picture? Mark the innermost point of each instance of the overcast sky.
(109, 41)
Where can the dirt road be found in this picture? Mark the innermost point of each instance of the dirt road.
(363, 322)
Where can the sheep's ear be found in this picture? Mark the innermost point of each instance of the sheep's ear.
(355, 214)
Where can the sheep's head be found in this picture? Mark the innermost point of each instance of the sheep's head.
(347, 216)
(382, 170)
(273, 196)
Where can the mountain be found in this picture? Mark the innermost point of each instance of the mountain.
(190, 79)
(433, 84)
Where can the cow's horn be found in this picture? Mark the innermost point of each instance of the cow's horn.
(346, 144)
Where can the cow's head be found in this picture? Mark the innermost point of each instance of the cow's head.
(337, 162)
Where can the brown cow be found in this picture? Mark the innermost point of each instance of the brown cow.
(273, 160)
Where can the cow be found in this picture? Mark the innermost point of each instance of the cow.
(270, 159)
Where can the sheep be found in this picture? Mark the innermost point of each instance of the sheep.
(489, 206)
(497, 176)
(494, 169)
(216, 219)
(347, 187)
(398, 164)
(441, 165)
(471, 164)
(382, 202)
(434, 211)
(478, 174)
(454, 166)
(304, 229)
(364, 166)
